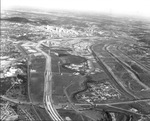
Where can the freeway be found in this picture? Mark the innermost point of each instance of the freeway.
(136, 61)
(115, 81)
(48, 102)
(125, 65)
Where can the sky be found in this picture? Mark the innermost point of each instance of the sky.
(120, 7)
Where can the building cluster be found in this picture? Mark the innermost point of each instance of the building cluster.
(8, 113)
(85, 67)
(82, 67)
(99, 92)
(13, 112)
(82, 48)
(60, 31)
(28, 31)
(12, 71)
(22, 31)
(56, 31)
(53, 43)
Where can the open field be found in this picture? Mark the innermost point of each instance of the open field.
(72, 115)
(6, 84)
(43, 114)
(61, 82)
(37, 79)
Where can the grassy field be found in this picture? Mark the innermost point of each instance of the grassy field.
(72, 115)
(65, 77)
(130, 83)
(58, 62)
(73, 89)
(5, 84)
(43, 114)
(145, 78)
(37, 80)
(55, 60)
(100, 77)
(59, 84)
(37, 87)
(27, 108)
(136, 68)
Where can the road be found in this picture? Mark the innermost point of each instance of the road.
(112, 107)
(15, 100)
(115, 81)
(28, 75)
(118, 103)
(48, 102)
(19, 102)
(126, 66)
(136, 61)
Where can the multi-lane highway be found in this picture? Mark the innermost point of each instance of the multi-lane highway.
(136, 61)
(126, 66)
(113, 79)
(48, 102)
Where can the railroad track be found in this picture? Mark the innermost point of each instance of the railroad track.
(28, 73)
